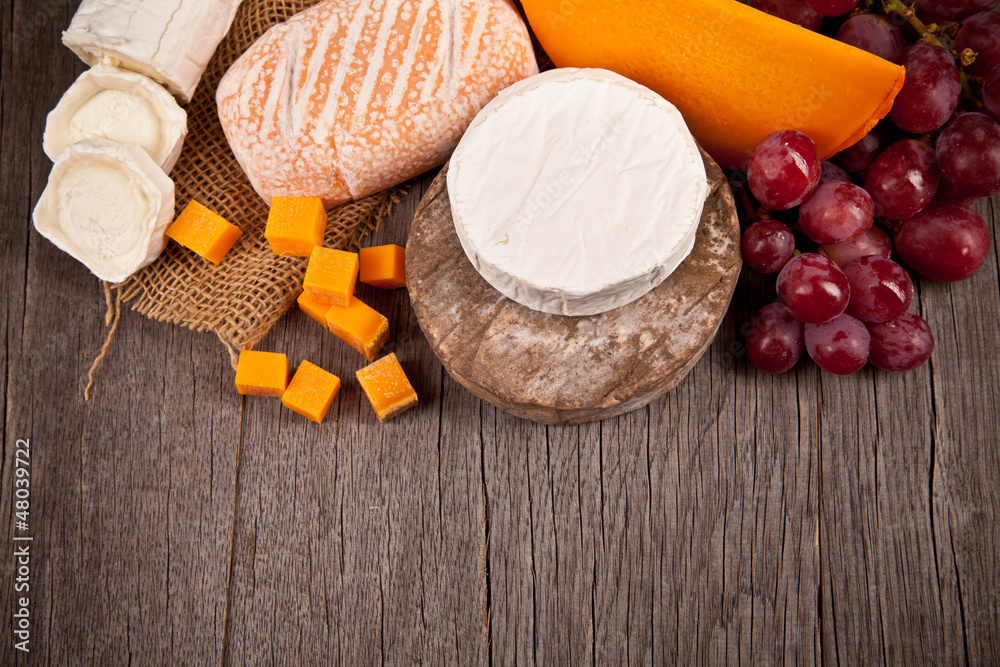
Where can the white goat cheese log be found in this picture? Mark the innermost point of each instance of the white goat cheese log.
(170, 41)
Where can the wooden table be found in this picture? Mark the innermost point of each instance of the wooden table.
(742, 518)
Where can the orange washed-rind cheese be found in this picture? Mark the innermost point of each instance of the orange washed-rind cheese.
(311, 391)
(295, 225)
(203, 231)
(352, 97)
(331, 275)
(262, 373)
(387, 387)
(360, 326)
(383, 266)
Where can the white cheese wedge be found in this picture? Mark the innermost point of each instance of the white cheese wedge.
(577, 191)
(170, 41)
(108, 103)
(108, 205)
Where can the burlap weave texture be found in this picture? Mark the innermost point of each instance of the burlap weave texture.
(243, 297)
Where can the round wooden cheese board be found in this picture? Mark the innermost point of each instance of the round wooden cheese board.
(558, 369)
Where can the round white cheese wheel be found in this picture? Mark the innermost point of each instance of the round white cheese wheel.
(108, 205)
(577, 191)
(108, 103)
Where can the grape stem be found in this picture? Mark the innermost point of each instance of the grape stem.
(926, 32)
(745, 206)
(967, 89)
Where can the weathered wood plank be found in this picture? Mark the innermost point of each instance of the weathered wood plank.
(854, 614)
(571, 465)
(507, 442)
(131, 493)
(911, 606)
(734, 507)
(963, 479)
(624, 547)
(18, 188)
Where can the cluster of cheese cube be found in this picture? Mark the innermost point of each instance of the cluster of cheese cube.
(312, 390)
(295, 227)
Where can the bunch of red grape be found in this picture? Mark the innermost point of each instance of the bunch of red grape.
(829, 228)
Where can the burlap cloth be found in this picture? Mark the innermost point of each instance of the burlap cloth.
(241, 298)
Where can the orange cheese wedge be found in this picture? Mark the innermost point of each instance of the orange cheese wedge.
(736, 73)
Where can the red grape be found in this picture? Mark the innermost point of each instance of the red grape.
(836, 213)
(991, 92)
(981, 33)
(901, 345)
(795, 11)
(831, 173)
(833, 7)
(873, 242)
(839, 346)
(881, 290)
(774, 339)
(860, 156)
(813, 288)
(784, 169)
(931, 91)
(903, 180)
(875, 34)
(767, 246)
(944, 242)
(968, 153)
(944, 11)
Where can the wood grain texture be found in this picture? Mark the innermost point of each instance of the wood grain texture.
(742, 517)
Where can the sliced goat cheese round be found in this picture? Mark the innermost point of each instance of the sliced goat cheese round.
(109, 103)
(577, 191)
(108, 205)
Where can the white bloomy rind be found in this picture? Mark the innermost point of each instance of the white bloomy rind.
(170, 41)
(577, 191)
(108, 205)
(109, 103)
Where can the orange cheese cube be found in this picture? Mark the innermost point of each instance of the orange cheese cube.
(330, 275)
(358, 325)
(262, 373)
(311, 391)
(295, 225)
(206, 233)
(383, 266)
(313, 308)
(386, 387)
